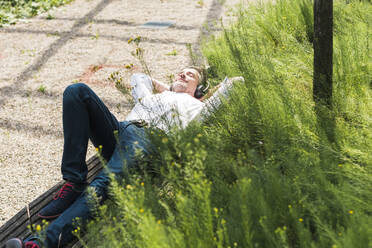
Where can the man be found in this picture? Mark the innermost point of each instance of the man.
(86, 117)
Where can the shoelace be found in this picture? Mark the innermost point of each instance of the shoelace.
(66, 188)
(31, 244)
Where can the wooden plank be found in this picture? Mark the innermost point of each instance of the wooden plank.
(22, 218)
(17, 225)
(35, 206)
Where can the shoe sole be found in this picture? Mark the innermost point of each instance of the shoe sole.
(14, 243)
(48, 217)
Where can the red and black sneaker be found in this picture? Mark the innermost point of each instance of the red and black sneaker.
(61, 201)
(17, 243)
(31, 244)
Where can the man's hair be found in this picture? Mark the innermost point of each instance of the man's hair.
(202, 72)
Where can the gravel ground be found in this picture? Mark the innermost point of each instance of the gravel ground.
(41, 56)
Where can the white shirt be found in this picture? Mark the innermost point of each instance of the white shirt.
(168, 109)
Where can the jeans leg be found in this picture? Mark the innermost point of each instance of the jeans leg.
(132, 140)
(133, 146)
(64, 224)
(85, 117)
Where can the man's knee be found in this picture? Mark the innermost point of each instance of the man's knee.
(75, 89)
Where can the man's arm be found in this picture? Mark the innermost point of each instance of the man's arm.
(159, 86)
(141, 85)
(214, 102)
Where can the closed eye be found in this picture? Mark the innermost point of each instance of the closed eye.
(191, 74)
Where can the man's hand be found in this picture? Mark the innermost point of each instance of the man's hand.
(237, 79)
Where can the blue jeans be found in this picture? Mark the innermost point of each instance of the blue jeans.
(86, 117)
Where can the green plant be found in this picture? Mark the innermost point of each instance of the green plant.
(11, 11)
(139, 54)
(200, 3)
(172, 53)
(170, 78)
(50, 17)
(251, 174)
(192, 55)
(120, 85)
(96, 36)
(42, 89)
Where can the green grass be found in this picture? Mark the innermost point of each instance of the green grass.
(261, 172)
(42, 89)
(13, 10)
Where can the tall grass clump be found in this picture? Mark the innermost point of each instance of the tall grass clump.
(261, 172)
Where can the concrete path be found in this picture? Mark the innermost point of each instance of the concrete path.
(83, 41)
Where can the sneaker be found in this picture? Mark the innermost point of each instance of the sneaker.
(14, 243)
(17, 243)
(31, 244)
(61, 201)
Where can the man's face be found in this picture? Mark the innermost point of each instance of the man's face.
(186, 81)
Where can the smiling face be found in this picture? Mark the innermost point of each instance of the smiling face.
(186, 81)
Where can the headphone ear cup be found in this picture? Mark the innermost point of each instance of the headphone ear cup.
(199, 92)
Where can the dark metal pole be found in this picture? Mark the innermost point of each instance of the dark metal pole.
(323, 51)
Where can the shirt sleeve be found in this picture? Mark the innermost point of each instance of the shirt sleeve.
(214, 102)
(141, 85)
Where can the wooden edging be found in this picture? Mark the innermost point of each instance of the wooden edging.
(17, 225)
